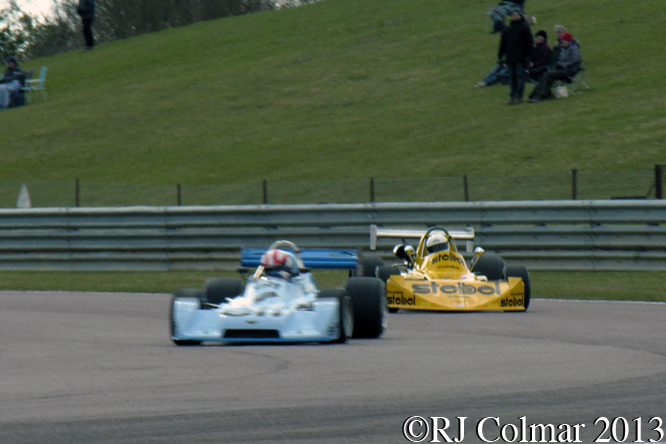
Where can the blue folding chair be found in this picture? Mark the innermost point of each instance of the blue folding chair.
(36, 85)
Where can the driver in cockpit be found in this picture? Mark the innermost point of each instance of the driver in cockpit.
(437, 242)
(280, 263)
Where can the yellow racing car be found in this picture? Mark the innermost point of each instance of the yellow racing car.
(435, 276)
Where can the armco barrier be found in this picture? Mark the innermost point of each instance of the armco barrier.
(564, 235)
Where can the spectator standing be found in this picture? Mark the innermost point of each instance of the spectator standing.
(504, 9)
(567, 66)
(86, 10)
(515, 51)
(11, 80)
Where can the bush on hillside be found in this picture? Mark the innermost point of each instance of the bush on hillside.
(23, 35)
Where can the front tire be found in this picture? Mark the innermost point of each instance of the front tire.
(385, 273)
(183, 293)
(217, 290)
(491, 266)
(521, 272)
(367, 265)
(345, 312)
(368, 297)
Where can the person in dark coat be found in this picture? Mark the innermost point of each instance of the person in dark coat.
(13, 69)
(567, 66)
(542, 57)
(86, 10)
(515, 52)
(557, 47)
(504, 9)
(12, 80)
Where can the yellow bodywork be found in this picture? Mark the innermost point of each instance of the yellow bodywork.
(442, 281)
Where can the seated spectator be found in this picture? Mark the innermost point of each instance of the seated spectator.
(11, 80)
(557, 47)
(567, 66)
(541, 57)
(497, 74)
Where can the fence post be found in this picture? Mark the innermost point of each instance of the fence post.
(76, 192)
(659, 180)
(265, 192)
(574, 184)
(372, 190)
(466, 186)
(178, 193)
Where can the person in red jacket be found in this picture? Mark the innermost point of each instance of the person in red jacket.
(567, 66)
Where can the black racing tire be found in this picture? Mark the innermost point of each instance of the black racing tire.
(384, 273)
(367, 265)
(345, 313)
(368, 296)
(183, 293)
(521, 272)
(217, 290)
(491, 266)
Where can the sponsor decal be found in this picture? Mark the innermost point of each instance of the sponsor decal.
(460, 288)
(397, 298)
(512, 302)
(447, 257)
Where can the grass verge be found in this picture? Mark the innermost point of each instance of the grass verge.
(342, 89)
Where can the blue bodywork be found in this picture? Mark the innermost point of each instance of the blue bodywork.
(314, 259)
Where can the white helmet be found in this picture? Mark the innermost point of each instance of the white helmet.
(437, 242)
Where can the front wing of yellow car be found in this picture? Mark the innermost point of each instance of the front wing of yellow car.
(416, 293)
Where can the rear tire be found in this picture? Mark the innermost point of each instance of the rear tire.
(183, 293)
(345, 312)
(521, 272)
(368, 297)
(367, 265)
(217, 290)
(491, 266)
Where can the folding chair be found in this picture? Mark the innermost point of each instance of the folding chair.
(36, 85)
(576, 83)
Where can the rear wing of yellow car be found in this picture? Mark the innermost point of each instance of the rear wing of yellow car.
(466, 234)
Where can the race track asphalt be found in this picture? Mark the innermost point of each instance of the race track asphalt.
(100, 368)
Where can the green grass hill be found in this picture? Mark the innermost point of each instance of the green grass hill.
(341, 89)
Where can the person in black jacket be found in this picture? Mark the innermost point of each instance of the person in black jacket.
(86, 10)
(515, 52)
(504, 9)
(542, 57)
(12, 80)
(567, 66)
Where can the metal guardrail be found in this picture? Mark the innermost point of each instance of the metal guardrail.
(562, 235)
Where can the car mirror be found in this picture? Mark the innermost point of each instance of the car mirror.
(478, 252)
(399, 250)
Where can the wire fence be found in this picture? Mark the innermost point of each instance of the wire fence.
(572, 185)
